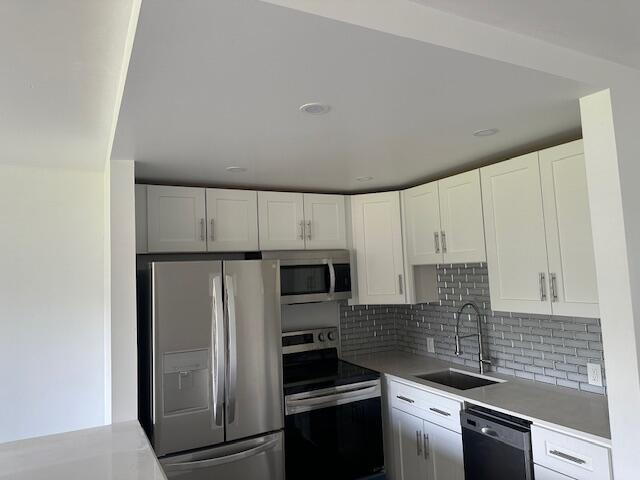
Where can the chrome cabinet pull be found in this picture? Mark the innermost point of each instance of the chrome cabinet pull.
(426, 446)
(444, 241)
(543, 287)
(301, 234)
(202, 234)
(441, 412)
(436, 241)
(566, 456)
(213, 237)
(554, 287)
(400, 285)
(419, 442)
(404, 399)
(309, 231)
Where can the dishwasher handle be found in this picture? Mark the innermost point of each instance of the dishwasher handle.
(498, 429)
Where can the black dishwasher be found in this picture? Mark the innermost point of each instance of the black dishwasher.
(496, 446)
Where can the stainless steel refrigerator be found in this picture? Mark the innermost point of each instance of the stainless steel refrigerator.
(215, 392)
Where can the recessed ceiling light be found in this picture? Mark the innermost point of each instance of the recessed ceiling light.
(315, 108)
(235, 169)
(487, 132)
(364, 179)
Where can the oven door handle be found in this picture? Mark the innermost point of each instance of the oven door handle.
(332, 399)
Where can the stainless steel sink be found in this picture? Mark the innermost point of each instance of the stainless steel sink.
(456, 379)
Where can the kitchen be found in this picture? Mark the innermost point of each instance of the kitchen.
(284, 300)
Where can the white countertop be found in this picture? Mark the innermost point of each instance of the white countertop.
(115, 452)
(582, 414)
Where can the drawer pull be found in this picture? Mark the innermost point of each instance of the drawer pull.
(441, 412)
(404, 399)
(566, 456)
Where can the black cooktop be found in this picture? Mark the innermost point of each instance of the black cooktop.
(307, 371)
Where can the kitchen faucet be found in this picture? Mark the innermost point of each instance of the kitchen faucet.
(482, 362)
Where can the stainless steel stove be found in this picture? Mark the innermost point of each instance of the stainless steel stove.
(333, 423)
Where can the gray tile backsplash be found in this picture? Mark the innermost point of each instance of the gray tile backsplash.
(544, 348)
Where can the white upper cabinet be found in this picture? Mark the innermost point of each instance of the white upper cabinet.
(294, 221)
(572, 273)
(539, 241)
(514, 228)
(176, 219)
(281, 220)
(422, 224)
(443, 221)
(325, 225)
(462, 228)
(232, 220)
(377, 239)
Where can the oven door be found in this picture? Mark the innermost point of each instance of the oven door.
(314, 282)
(334, 435)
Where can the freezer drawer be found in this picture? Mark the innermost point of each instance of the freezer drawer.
(259, 458)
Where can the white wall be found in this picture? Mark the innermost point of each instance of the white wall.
(51, 301)
(124, 377)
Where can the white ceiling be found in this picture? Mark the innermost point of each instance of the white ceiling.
(216, 84)
(60, 69)
(602, 28)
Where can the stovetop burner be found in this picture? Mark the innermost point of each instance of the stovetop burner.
(314, 370)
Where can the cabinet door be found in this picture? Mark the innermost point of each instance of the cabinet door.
(462, 234)
(542, 473)
(572, 271)
(514, 227)
(408, 451)
(176, 219)
(232, 220)
(443, 453)
(281, 220)
(324, 221)
(422, 224)
(377, 239)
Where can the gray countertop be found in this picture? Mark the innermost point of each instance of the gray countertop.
(582, 414)
(119, 451)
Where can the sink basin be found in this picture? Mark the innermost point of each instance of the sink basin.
(458, 380)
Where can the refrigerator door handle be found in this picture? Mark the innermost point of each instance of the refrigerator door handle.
(233, 350)
(234, 457)
(217, 350)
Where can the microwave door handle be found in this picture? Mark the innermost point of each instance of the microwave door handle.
(233, 349)
(332, 278)
(218, 350)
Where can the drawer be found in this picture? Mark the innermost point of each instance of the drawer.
(432, 407)
(543, 473)
(569, 455)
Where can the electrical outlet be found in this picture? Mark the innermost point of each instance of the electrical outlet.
(594, 372)
(431, 345)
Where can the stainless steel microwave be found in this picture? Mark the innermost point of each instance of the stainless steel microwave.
(313, 275)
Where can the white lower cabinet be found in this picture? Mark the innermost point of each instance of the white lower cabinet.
(542, 473)
(427, 443)
(407, 440)
(574, 457)
(443, 450)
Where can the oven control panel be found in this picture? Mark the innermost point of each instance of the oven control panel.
(306, 340)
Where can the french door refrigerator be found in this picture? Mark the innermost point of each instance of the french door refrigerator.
(215, 393)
